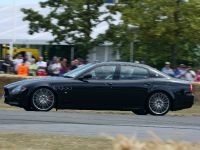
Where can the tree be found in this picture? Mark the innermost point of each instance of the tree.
(168, 29)
(69, 21)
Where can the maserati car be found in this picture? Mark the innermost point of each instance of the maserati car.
(103, 86)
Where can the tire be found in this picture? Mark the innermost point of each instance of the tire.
(159, 104)
(43, 99)
(140, 112)
(28, 108)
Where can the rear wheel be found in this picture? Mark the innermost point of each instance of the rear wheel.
(43, 99)
(159, 103)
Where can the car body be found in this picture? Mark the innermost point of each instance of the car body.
(104, 86)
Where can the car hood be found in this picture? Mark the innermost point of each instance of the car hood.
(35, 80)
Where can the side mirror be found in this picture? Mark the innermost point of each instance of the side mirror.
(86, 77)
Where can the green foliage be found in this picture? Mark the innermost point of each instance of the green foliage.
(69, 21)
(169, 30)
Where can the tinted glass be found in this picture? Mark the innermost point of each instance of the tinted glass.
(131, 72)
(103, 73)
(78, 70)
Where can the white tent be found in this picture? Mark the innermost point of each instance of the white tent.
(14, 30)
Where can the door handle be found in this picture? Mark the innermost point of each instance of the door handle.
(147, 84)
(109, 84)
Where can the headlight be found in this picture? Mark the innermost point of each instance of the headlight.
(18, 89)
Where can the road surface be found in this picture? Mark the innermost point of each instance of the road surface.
(184, 128)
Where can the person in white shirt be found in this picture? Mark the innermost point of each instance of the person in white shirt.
(167, 69)
(42, 65)
(56, 66)
(190, 74)
(18, 60)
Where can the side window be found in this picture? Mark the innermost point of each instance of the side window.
(131, 72)
(103, 73)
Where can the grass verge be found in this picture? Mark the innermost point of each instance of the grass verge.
(21, 141)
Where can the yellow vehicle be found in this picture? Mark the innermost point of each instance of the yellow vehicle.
(25, 51)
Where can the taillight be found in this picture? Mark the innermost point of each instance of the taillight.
(191, 88)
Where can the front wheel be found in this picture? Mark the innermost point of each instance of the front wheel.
(159, 104)
(43, 99)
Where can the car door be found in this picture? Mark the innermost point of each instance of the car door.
(132, 87)
(93, 92)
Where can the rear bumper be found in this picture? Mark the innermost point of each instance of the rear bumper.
(183, 102)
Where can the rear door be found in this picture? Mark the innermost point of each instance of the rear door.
(131, 89)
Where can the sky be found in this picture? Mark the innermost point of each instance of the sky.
(18, 2)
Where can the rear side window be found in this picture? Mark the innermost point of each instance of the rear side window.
(133, 72)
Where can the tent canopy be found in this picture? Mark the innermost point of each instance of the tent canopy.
(14, 30)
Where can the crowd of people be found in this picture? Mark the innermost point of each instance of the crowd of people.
(181, 72)
(59, 66)
(30, 67)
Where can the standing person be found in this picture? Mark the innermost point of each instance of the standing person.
(41, 67)
(197, 77)
(18, 60)
(181, 72)
(74, 64)
(32, 68)
(190, 74)
(81, 62)
(50, 63)
(22, 69)
(167, 69)
(56, 66)
(64, 67)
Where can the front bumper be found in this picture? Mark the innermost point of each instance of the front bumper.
(183, 102)
(15, 100)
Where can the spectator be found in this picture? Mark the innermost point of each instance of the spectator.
(41, 67)
(197, 77)
(190, 74)
(74, 64)
(18, 60)
(56, 66)
(81, 62)
(167, 69)
(32, 68)
(7, 64)
(181, 72)
(22, 69)
(64, 67)
(50, 71)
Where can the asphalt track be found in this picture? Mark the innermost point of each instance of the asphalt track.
(184, 128)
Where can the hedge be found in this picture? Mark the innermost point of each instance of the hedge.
(6, 79)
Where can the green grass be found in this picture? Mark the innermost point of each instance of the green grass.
(23, 141)
(19, 141)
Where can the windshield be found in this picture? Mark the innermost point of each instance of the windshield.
(77, 71)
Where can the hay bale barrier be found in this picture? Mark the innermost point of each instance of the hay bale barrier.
(125, 143)
(8, 78)
(196, 90)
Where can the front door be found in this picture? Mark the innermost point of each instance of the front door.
(94, 92)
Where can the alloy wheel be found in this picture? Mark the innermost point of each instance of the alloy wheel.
(159, 104)
(43, 99)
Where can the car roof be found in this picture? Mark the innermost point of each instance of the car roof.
(123, 63)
